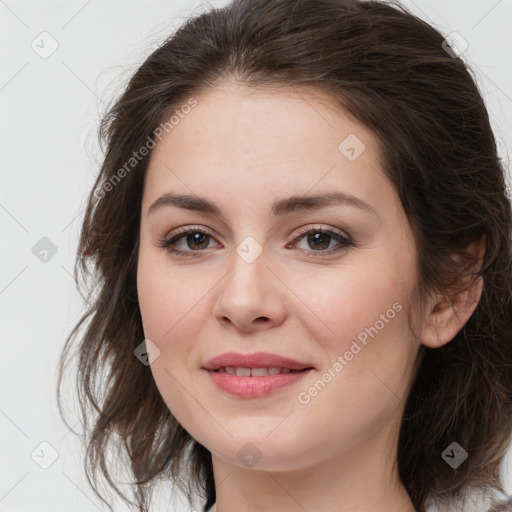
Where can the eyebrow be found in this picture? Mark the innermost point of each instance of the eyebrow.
(279, 208)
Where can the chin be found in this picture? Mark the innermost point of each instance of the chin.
(259, 452)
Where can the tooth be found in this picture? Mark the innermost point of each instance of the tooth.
(254, 372)
(259, 372)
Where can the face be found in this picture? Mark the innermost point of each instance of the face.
(325, 283)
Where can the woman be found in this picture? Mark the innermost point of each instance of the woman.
(300, 241)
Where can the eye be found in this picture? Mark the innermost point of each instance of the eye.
(195, 240)
(321, 240)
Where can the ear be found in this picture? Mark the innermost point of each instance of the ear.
(447, 314)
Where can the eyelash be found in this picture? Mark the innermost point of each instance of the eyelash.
(344, 241)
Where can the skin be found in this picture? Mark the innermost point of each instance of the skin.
(244, 149)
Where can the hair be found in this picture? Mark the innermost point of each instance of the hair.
(392, 72)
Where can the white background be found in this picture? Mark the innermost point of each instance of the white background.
(49, 111)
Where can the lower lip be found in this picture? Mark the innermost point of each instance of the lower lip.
(250, 387)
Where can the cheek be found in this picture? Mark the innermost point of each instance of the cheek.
(169, 306)
(168, 297)
(347, 301)
(166, 307)
(361, 322)
(370, 358)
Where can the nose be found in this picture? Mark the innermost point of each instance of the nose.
(250, 296)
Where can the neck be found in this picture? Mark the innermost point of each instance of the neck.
(363, 480)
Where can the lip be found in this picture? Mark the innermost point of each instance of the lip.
(254, 360)
(253, 387)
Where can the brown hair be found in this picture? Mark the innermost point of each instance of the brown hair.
(393, 73)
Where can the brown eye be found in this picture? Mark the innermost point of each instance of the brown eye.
(320, 240)
(196, 240)
(192, 240)
(323, 241)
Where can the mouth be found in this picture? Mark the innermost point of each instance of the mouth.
(241, 371)
(254, 375)
(244, 382)
(255, 364)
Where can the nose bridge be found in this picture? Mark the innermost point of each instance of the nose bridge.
(249, 291)
(246, 282)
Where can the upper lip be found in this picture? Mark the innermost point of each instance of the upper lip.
(255, 360)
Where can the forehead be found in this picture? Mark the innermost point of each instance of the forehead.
(298, 122)
(265, 140)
